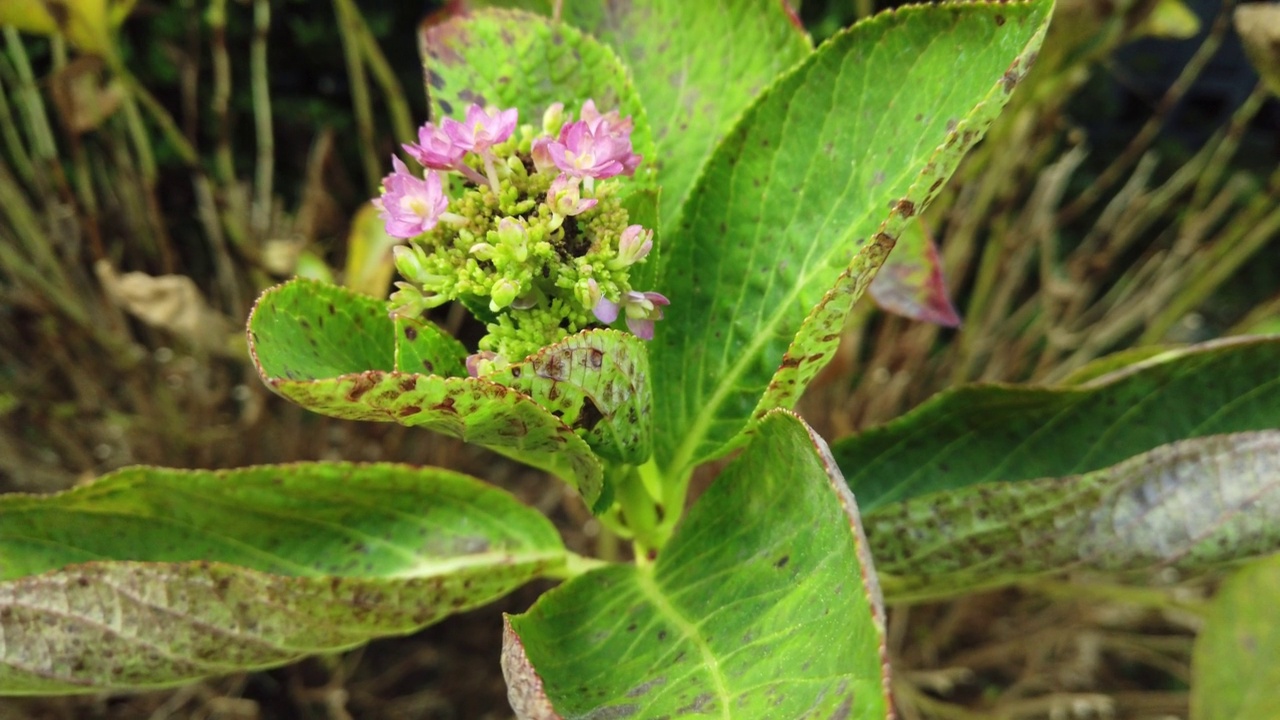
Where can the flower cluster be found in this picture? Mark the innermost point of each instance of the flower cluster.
(523, 228)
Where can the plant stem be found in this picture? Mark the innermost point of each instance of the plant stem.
(260, 218)
(380, 69)
(349, 31)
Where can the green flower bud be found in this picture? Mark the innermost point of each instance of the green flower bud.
(503, 294)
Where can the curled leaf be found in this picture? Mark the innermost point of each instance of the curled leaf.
(336, 352)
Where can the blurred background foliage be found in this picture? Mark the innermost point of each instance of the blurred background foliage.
(162, 167)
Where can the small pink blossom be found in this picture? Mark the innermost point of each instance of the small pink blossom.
(640, 309)
(605, 310)
(610, 120)
(583, 153)
(600, 152)
(633, 246)
(410, 206)
(541, 155)
(564, 197)
(480, 363)
(481, 130)
(435, 149)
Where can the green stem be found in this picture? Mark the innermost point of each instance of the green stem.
(261, 214)
(640, 513)
(380, 69)
(349, 31)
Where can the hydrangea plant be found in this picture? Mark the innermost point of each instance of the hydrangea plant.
(623, 165)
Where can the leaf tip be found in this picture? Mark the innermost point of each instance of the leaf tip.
(524, 686)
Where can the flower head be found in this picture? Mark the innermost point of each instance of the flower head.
(410, 206)
(481, 130)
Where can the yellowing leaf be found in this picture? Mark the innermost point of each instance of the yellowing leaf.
(370, 263)
(87, 24)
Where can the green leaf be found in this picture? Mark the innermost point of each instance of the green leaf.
(763, 605)
(1236, 661)
(1193, 504)
(333, 351)
(988, 433)
(697, 65)
(152, 577)
(799, 205)
(515, 59)
(596, 382)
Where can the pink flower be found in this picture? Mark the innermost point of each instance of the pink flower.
(481, 130)
(410, 206)
(598, 149)
(641, 310)
(481, 363)
(610, 120)
(541, 155)
(435, 149)
(633, 246)
(564, 197)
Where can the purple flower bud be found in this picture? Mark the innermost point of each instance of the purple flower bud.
(541, 156)
(409, 206)
(481, 362)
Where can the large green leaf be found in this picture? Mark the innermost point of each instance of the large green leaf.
(697, 65)
(763, 605)
(153, 577)
(597, 381)
(990, 433)
(334, 352)
(1193, 504)
(800, 203)
(516, 59)
(1236, 662)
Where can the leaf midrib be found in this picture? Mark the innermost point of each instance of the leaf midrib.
(649, 588)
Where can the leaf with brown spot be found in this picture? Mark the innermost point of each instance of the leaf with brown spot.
(718, 625)
(800, 203)
(151, 577)
(596, 382)
(424, 347)
(1192, 505)
(334, 352)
